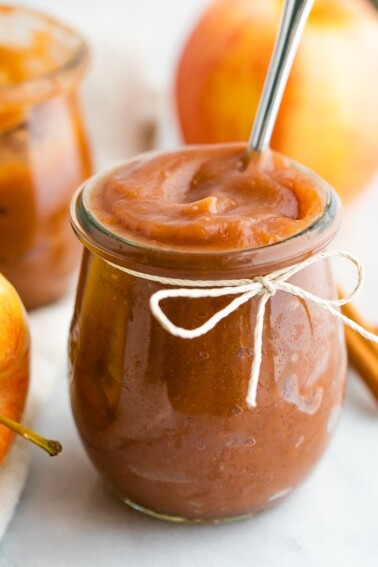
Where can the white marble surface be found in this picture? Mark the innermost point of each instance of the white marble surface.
(67, 518)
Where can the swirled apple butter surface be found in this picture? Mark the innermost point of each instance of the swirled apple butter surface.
(203, 200)
(165, 419)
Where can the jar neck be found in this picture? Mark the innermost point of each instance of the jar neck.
(68, 69)
(228, 264)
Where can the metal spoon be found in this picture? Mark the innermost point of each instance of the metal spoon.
(294, 18)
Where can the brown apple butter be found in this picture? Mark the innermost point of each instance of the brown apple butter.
(43, 151)
(207, 199)
(164, 419)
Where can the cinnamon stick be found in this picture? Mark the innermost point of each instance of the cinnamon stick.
(363, 354)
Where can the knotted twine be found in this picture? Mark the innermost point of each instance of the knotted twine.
(264, 287)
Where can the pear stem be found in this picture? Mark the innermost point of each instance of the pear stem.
(51, 447)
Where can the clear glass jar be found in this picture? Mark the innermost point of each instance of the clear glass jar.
(43, 151)
(165, 420)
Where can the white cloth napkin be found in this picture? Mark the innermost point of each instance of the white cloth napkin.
(121, 98)
(13, 471)
(49, 327)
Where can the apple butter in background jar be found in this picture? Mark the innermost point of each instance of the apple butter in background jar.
(43, 151)
(164, 419)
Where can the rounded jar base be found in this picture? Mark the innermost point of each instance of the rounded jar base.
(181, 520)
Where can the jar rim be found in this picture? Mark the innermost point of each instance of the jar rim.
(41, 86)
(121, 251)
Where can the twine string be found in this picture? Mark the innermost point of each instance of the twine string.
(264, 287)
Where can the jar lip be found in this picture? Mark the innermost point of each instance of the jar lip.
(112, 246)
(41, 85)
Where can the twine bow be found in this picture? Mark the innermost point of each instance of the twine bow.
(263, 286)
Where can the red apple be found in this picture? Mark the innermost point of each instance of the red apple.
(14, 359)
(14, 371)
(329, 115)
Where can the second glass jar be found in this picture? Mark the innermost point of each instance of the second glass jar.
(43, 151)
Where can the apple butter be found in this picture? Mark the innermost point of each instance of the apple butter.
(165, 419)
(43, 151)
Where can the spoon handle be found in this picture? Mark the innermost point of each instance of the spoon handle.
(294, 18)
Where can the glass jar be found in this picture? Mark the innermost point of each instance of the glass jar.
(43, 151)
(164, 419)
